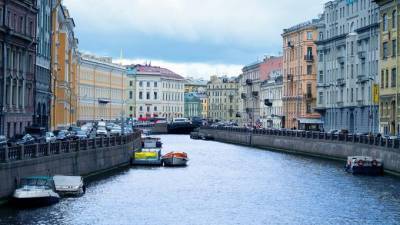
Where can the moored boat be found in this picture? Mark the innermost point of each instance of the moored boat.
(150, 157)
(151, 142)
(364, 165)
(69, 185)
(35, 191)
(175, 159)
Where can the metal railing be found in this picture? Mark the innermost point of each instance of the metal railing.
(348, 138)
(26, 152)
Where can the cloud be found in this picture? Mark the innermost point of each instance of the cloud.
(250, 23)
(196, 70)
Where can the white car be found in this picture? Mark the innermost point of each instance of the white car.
(180, 120)
(116, 131)
(101, 131)
(50, 137)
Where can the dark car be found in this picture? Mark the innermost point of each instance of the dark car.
(38, 133)
(73, 130)
(63, 135)
(27, 139)
(80, 135)
(3, 141)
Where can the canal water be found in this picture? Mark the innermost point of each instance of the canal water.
(226, 184)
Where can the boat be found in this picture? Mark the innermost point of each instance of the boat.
(364, 165)
(69, 185)
(175, 159)
(147, 157)
(151, 142)
(35, 191)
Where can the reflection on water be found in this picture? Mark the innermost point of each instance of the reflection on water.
(226, 184)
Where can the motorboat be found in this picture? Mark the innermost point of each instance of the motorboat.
(364, 165)
(147, 157)
(151, 142)
(35, 191)
(69, 185)
(175, 159)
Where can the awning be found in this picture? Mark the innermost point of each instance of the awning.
(310, 121)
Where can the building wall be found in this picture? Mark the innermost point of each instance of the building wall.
(223, 99)
(348, 66)
(17, 62)
(299, 69)
(43, 74)
(101, 92)
(388, 68)
(193, 105)
(64, 66)
(272, 90)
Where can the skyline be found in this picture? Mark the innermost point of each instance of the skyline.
(193, 38)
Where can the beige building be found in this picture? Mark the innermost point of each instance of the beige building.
(101, 89)
(223, 99)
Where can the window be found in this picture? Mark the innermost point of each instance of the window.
(147, 95)
(394, 48)
(384, 22)
(148, 108)
(394, 19)
(382, 79)
(148, 84)
(387, 79)
(309, 35)
(393, 79)
(309, 69)
(309, 52)
(131, 83)
(140, 95)
(130, 95)
(155, 84)
(321, 98)
(385, 50)
(130, 108)
(308, 107)
(309, 91)
(155, 96)
(140, 83)
(141, 109)
(155, 109)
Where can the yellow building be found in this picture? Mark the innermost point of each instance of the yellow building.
(101, 89)
(64, 60)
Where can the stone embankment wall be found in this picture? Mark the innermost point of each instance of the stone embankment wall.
(337, 147)
(85, 157)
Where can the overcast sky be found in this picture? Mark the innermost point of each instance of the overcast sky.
(195, 38)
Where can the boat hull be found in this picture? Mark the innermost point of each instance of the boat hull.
(175, 161)
(366, 170)
(34, 202)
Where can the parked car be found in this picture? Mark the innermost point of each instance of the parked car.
(116, 130)
(3, 141)
(80, 135)
(63, 135)
(101, 131)
(38, 133)
(50, 137)
(27, 139)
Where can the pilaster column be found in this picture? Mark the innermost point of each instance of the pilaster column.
(11, 91)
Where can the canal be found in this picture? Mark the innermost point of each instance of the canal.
(226, 184)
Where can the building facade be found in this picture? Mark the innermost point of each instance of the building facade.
(101, 89)
(299, 76)
(154, 92)
(193, 105)
(195, 85)
(223, 99)
(18, 57)
(389, 85)
(64, 68)
(348, 43)
(272, 107)
(43, 59)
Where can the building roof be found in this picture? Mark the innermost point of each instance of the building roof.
(196, 82)
(152, 70)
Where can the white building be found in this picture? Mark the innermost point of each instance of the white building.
(154, 92)
(272, 106)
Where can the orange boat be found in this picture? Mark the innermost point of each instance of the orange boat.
(175, 159)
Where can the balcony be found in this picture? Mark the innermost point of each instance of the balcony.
(361, 54)
(104, 101)
(308, 96)
(341, 59)
(340, 82)
(340, 103)
(309, 58)
(360, 102)
(362, 79)
(249, 82)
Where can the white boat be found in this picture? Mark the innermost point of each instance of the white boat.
(151, 142)
(364, 165)
(175, 159)
(35, 191)
(69, 185)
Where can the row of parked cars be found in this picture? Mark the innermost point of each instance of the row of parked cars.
(89, 130)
